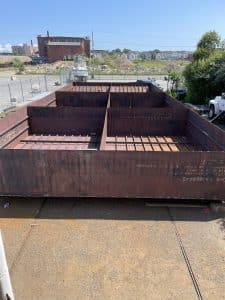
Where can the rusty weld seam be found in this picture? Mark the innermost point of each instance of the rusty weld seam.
(37, 215)
(186, 259)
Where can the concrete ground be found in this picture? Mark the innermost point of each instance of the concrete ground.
(112, 249)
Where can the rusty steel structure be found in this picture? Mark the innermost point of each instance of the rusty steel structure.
(111, 140)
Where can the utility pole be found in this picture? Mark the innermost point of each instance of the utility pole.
(92, 53)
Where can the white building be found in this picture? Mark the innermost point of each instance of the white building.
(173, 55)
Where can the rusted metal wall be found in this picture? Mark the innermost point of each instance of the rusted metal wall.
(15, 125)
(66, 120)
(91, 87)
(137, 100)
(145, 121)
(93, 173)
(112, 174)
(14, 133)
(208, 135)
(105, 127)
(131, 89)
(80, 99)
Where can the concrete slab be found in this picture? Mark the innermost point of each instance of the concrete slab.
(205, 245)
(110, 249)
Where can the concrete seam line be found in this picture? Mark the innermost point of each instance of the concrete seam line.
(185, 256)
(5, 282)
(19, 253)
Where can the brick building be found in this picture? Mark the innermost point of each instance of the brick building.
(60, 48)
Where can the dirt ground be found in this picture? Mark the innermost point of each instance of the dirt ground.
(112, 249)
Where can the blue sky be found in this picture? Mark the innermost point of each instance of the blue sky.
(139, 25)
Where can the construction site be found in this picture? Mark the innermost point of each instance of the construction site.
(109, 191)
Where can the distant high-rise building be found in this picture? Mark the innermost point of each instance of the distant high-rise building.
(59, 47)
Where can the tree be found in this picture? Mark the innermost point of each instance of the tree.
(154, 53)
(126, 51)
(196, 79)
(209, 40)
(223, 44)
(207, 45)
(174, 77)
(116, 52)
(18, 66)
(204, 77)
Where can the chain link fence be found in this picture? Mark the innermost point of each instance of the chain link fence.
(19, 90)
(66, 77)
(16, 91)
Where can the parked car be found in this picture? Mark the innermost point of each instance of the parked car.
(216, 106)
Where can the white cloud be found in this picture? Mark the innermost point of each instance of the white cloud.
(5, 48)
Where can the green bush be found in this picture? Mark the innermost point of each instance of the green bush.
(18, 66)
(205, 76)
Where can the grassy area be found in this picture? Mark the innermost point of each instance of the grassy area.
(8, 59)
(160, 64)
(111, 65)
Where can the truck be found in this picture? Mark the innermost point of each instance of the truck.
(216, 106)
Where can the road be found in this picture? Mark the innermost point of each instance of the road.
(112, 249)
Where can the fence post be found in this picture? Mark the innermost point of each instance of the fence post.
(22, 89)
(60, 78)
(46, 86)
(31, 87)
(39, 83)
(10, 94)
